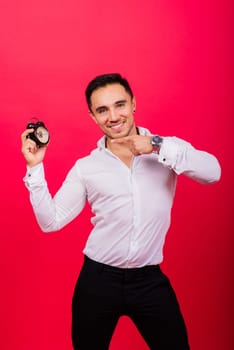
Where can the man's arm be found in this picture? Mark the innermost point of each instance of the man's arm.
(179, 155)
(183, 158)
(51, 213)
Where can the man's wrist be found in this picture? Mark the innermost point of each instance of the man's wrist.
(156, 142)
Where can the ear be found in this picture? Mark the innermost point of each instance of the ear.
(134, 104)
(92, 116)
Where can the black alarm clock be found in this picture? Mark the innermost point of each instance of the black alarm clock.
(40, 134)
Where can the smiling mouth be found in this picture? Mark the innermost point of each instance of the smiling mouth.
(117, 127)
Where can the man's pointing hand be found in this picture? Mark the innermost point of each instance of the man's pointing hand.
(137, 144)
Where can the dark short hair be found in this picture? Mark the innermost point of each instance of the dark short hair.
(103, 80)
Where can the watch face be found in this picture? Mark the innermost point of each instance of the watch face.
(42, 135)
(156, 140)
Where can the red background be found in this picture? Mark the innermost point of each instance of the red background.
(177, 56)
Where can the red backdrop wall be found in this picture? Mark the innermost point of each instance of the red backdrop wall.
(178, 57)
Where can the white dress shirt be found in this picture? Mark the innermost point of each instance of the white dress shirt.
(131, 206)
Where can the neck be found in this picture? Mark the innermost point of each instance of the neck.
(122, 151)
(115, 147)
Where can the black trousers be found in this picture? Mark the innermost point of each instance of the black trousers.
(103, 294)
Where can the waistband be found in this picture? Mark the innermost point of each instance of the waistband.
(105, 267)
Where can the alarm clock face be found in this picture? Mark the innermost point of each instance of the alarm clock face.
(42, 135)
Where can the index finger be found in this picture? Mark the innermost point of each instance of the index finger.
(124, 139)
(26, 133)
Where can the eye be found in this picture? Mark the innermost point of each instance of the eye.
(120, 104)
(101, 110)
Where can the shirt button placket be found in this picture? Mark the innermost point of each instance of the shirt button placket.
(132, 243)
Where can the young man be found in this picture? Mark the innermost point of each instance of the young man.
(129, 181)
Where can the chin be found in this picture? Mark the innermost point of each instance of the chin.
(120, 134)
(116, 135)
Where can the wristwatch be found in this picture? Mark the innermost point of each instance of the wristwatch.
(156, 142)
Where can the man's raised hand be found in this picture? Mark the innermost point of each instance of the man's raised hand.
(32, 154)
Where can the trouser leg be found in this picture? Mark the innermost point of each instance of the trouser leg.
(156, 312)
(95, 310)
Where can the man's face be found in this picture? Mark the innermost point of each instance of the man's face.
(112, 109)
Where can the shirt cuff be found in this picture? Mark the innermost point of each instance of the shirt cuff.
(169, 152)
(34, 175)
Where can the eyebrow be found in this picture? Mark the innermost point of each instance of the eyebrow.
(105, 107)
(120, 101)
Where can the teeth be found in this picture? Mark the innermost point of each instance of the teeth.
(116, 126)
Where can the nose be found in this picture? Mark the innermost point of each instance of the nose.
(113, 115)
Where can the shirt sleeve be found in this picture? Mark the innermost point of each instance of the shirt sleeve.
(183, 158)
(54, 213)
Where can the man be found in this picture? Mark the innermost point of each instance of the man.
(129, 181)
